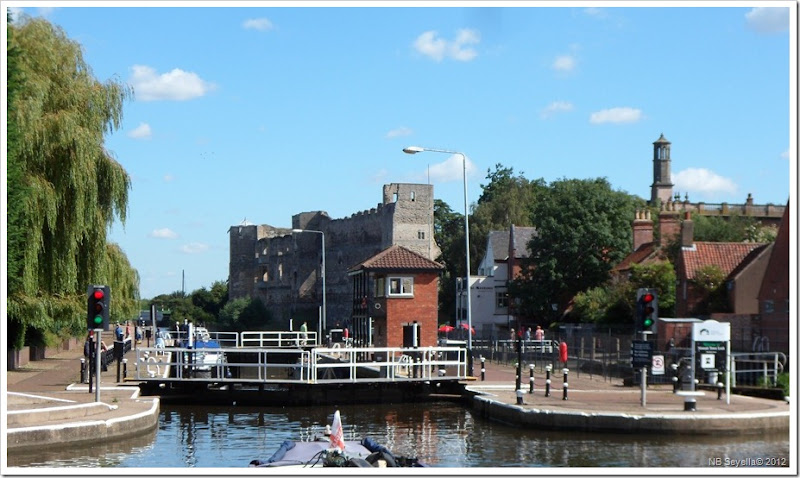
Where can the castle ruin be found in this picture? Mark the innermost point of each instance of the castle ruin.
(281, 267)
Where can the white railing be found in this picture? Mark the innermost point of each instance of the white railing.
(318, 365)
(277, 339)
(767, 365)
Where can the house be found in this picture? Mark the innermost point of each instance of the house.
(391, 291)
(492, 308)
(773, 295)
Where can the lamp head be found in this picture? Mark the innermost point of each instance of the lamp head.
(297, 230)
(413, 150)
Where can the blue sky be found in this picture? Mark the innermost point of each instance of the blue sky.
(261, 111)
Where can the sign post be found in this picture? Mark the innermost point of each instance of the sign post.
(642, 357)
(711, 345)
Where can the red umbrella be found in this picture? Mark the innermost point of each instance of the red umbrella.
(446, 328)
(466, 326)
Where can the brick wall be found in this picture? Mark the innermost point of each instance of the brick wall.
(422, 308)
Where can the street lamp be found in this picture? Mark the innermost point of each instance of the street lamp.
(324, 304)
(415, 150)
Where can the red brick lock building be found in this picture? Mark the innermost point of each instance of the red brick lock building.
(392, 289)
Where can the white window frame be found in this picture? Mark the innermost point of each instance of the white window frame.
(405, 283)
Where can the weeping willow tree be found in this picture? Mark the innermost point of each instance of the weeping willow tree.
(71, 188)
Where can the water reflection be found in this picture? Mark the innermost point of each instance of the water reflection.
(440, 434)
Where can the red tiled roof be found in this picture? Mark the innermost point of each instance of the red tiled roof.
(398, 258)
(726, 255)
(639, 256)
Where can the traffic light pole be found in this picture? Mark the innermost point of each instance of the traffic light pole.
(97, 362)
(644, 376)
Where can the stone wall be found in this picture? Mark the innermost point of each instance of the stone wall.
(283, 268)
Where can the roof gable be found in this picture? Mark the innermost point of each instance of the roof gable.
(398, 258)
(725, 255)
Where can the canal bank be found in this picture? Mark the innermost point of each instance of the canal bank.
(50, 407)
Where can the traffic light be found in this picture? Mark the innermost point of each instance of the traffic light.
(646, 310)
(97, 314)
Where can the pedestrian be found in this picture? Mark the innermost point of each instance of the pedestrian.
(511, 335)
(527, 334)
(539, 334)
(304, 333)
(118, 332)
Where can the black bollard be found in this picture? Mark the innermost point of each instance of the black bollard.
(719, 390)
(124, 369)
(547, 381)
(566, 385)
(83, 370)
(531, 366)
(483, 369)
(519, 397)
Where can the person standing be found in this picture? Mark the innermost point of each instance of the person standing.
(539, 334)
(304, 333)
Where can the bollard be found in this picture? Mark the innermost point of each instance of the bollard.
(566, 385)
(519, 397)
(675, 379)
(719, 390)
(549, 368)
(83, 370)
(124, 369)
(483, 368)
(532, 366)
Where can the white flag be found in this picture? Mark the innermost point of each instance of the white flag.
(337, 433)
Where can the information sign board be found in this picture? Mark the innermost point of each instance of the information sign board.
(641, 353)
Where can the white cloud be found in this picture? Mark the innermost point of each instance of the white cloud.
(564, 63)
(194, 248)
(703, 182)
(176, 85)
(142, 131)
(556, 107)
(164, 233)
(260, 24)
(452, 169)
(401, 131)
(168, 178)
(430, 45)
(768, 19)
(616, 115)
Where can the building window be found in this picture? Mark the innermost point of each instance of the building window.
(769, 306)
(413, 196)
(501, 299)
(401, 286)
(420, 234)
(380, 287)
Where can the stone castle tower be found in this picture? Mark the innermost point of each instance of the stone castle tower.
(284, 268)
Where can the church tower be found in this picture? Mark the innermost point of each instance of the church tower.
(661, 188)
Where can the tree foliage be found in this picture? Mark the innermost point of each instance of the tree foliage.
(583, 230)
(70, 189)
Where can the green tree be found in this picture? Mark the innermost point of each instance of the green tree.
(70, 189)
(448, 230)
(244, 314)
(211, 301)
(583, 229)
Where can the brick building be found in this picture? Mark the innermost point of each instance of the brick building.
(283, 268)
(393, 289)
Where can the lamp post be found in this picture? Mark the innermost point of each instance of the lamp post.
(415, 150)
(324, 304)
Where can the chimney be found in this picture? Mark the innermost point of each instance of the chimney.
(687, 230)
(642, 229)
(668, 224)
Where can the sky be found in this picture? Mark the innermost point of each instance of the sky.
(257, 111)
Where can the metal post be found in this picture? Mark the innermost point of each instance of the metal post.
(566, 385)
(124, 369)
(97, 364)
(83, 370)
(531, 366)
(644, 387)
(483, 368)
(548, 368)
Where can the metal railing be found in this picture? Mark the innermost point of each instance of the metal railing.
(277, 339)
(318, 365)
(760, 368)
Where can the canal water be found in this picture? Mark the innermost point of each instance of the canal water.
(439, 434)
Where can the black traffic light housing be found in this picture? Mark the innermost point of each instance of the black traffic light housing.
(98, 307)
(646, 310)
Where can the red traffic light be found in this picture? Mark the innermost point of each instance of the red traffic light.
(647, 298)
(98, 294)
